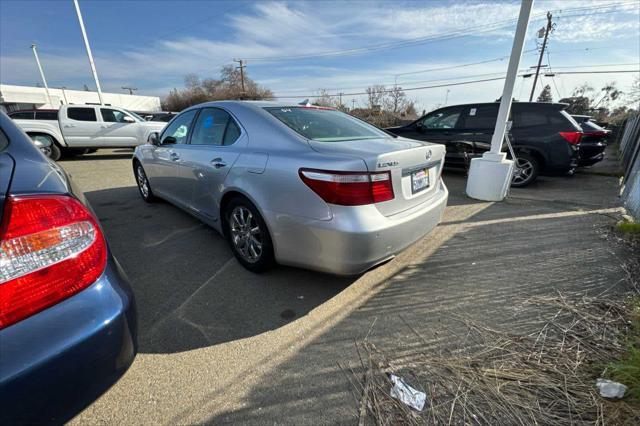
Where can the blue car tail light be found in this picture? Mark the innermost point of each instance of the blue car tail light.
(51, 247)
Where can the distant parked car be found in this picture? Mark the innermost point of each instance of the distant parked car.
(67, 314)
(593, 142)
(81, 127)
(545, 137)
(165, 117)
(298, 185)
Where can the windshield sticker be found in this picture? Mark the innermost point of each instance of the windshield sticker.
(472, 111)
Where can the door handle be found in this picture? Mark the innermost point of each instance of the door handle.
(67, 126)
(218, 163)
(174, 156)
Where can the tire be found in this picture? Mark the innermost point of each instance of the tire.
(253, 249)
(143, 183)
(526, 170)
(53, 151)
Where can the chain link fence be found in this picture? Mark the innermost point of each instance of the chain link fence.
(630, 157)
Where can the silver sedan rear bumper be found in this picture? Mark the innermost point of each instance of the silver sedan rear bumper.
(355, 239)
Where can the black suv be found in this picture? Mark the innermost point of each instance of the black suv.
(544, 136)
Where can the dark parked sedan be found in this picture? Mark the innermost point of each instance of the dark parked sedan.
(544, 136)
(593, 142)
(67, 314)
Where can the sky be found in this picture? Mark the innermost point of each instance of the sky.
(296, 48)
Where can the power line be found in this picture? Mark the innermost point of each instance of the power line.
(408, 89)
(390, 90)
(426, 39)
(411, 82)
(598, 65)
(501, 58)
(597, 72)
(429, 70)
(553, 79)
(335, 89)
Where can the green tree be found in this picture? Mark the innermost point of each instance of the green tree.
(545, 95)
(588, 101)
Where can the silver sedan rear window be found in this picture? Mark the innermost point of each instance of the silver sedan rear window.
(325, 125)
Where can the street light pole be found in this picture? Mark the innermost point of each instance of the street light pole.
(86, 45)
(44, 80)
(64, 94)
(490, 176)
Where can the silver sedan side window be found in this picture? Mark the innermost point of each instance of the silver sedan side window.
(214, 127)
(179, 128)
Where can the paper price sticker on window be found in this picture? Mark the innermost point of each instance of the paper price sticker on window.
(472, 111)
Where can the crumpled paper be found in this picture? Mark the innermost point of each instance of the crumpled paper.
(405, 393)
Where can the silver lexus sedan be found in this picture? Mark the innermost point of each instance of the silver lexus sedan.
(298, 185)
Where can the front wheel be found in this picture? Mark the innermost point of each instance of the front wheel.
(248, 236)
(525, 170)
(47, 146)
(143, 184)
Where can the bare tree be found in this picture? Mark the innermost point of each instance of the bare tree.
(395, 100)
(324, 99)
(228, 86)
(375, 96)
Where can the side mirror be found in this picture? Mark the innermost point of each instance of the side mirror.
(154, 138)
(128, 119)
(419, 125)
(169, 140)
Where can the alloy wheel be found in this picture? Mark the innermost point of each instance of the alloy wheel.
(46, 150)
(143, 184)
(246, 235)
(523, 171)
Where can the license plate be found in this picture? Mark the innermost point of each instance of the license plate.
(419, 180)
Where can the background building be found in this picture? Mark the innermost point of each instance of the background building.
(13, 98)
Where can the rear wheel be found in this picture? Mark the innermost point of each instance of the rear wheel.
(248, 236)
(526, 170)
(143, 183)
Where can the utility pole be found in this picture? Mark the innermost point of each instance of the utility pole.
(86, 45)
(130, 89)
(241, 68)
(44, 80)
(547, 30)
(446, 98)
(353, 104)
(340, 97)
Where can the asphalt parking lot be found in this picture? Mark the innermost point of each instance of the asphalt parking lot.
(177, 265)
(221, 345)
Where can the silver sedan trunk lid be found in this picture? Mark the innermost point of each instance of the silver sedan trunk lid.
(415, 167)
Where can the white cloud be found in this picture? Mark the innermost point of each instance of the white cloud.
(273, 29)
